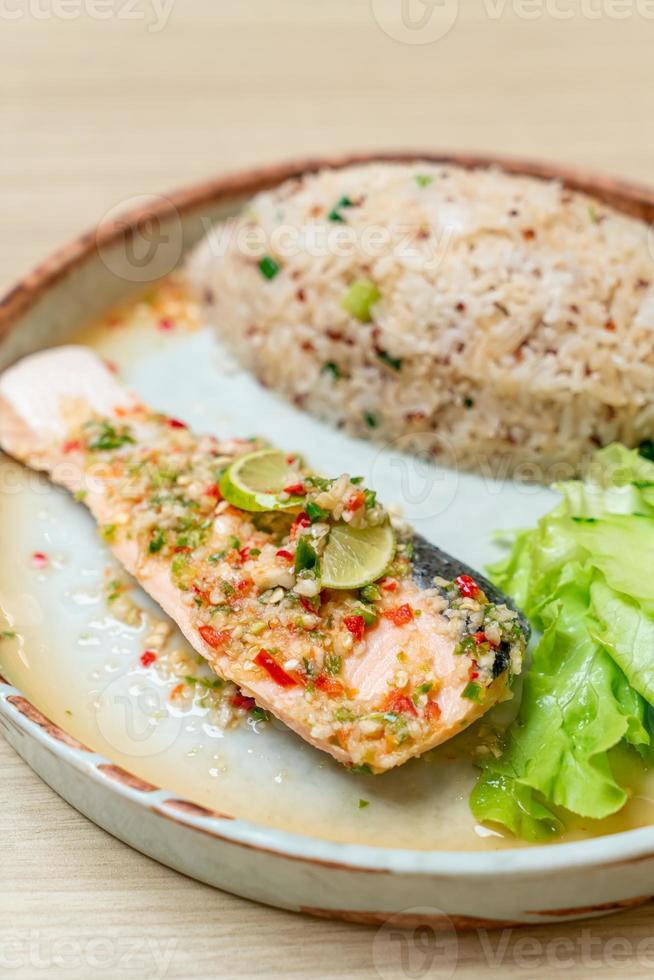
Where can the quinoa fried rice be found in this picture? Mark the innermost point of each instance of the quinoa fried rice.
(495, 322)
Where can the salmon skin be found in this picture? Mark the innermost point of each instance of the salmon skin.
(373, 676)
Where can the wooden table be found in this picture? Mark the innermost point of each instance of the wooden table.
(94, 112)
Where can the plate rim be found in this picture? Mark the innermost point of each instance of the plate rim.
(624, 847)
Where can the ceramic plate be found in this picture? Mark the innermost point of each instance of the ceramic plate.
(252, 808)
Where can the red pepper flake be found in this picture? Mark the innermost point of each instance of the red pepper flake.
(213, 490)
(302, 520)
(39, 559)
(214, 638)
(432, 711)
(610, 325)
(166, 324)
(388, 584)
(467, 586)
(307, 605)
(480, 638)
(148, 658)
(401, 615)
(242, 701)
(356, 625)
(356, 500)
(244, 586)
(182, 550)
(286, 555)
(71, 446)
(297, 489)
(400, 704)
(329, 686)
(278, 674)
(177, 424)
(473, 673)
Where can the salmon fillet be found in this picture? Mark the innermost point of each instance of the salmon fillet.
(373, 682)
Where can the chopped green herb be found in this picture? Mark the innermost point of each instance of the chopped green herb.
(363, 804)
(315, 512)
(227, 588)
(592, 214)
(646, 449)
(359, 299)
(423, 180)
(268, 267)
(468, 402)
(259, 714)
(370, 420)
(472, 692)
(369, 617)
(234, 542)
(363, 769)
(109, 437)
(218, 556)
(80, 496)
(305, 556)
(335, 213)
(370, 498)
(157, 541)
(333, 664)
(8, 635)
(370, 593)
(356, 480)
(392, 362)
(108, 532)
(330, 367)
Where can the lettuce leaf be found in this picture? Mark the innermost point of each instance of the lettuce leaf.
(582, 577)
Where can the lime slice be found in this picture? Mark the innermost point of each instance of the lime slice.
(254, 481)
(354, 557)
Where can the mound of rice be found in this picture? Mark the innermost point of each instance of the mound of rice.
(497, 322)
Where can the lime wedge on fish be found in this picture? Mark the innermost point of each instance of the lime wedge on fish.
(354, 557)
(253, 482)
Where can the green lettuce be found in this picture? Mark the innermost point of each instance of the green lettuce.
(584, 577)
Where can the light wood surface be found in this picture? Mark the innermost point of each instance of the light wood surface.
(94, 112)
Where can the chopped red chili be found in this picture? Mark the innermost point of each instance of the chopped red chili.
(357, 500)
(432, 711)
(166, 323)
(400, 704)
(480, 638)
(242, 701)
(467, 586)
(214, 638)
(71, 445)
(329, 686)
(308, 605)
(213, 490)
(148, 658)
(298, 489)
(39, 559)
(388, 584)
(278, 674)
(177, 424)
(302, 520)
(401, 615)
(356, 625)
(286, 555)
